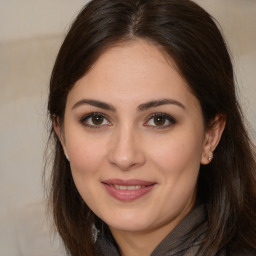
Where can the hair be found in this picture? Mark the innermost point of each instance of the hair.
(189, 36)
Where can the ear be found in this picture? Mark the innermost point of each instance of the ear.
(59, 132)
(212, 138)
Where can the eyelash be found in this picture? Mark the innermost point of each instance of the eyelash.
(167, 117)
(95, 114)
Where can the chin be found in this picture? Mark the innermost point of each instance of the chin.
(129, 222)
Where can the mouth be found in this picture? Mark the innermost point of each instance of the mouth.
(121, 187)
(127, 190)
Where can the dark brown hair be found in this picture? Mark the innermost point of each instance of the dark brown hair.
(188, 35)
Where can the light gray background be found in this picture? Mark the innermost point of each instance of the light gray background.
(30, 35)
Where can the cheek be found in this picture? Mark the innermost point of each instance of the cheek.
(179, 153)
(86, 159)
(86, 155)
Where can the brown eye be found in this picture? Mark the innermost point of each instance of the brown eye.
(95, 120)
(159, 120)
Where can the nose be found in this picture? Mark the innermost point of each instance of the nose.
(126, 151)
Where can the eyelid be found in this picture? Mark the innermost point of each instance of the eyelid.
(89, 115)
(171, 119)
(168, 117)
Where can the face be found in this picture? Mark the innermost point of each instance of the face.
(135, 137)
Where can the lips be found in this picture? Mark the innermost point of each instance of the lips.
(127, 190)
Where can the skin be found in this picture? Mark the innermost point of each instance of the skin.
(126, 142)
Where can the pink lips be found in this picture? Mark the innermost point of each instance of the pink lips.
(127, 190)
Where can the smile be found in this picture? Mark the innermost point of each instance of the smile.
(127, 190)
(127, 187)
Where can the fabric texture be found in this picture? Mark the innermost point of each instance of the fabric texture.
(184, 240)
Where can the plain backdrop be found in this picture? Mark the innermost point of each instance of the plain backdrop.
(30, 35)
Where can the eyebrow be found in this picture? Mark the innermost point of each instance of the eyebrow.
(157, 103)
(141, 107)
(95, 103)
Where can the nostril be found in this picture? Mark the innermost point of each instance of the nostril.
(127, 163)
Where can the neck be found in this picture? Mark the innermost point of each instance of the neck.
(141, 243)
(144, 241)
(136, 244)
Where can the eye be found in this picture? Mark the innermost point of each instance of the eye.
(160, 121)
(95, 120)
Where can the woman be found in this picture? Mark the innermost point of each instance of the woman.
(151, 156)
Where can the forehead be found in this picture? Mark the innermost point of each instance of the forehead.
(134, 57)
(137, 71)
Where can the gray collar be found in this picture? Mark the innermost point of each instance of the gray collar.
(185, 239)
